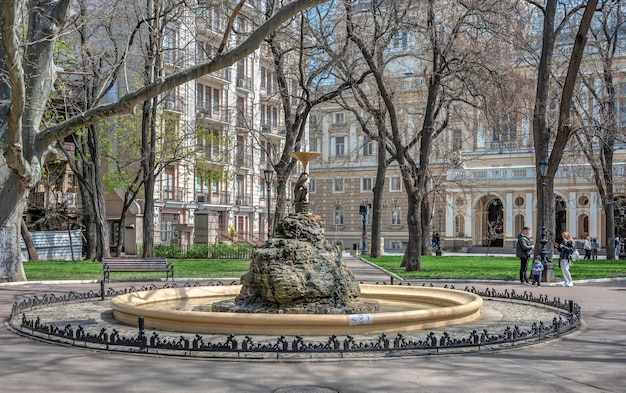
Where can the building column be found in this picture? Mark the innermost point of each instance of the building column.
(469, 222)
(530, 220)
(572, 217)
(509, 222)
(448, 227)
(594, 216)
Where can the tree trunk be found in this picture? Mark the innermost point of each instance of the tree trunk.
(10, 237)
(378, 189)
(413, 252)
(148, 141)
(28, 241)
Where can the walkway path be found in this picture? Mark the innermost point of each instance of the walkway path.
(593, 360)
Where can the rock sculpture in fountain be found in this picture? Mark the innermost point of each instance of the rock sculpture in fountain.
(297, 270)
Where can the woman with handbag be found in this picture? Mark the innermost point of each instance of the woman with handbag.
(566, 248)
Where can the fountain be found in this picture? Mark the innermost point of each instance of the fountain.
(297, 284)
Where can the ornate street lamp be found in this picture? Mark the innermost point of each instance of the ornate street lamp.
(543, 172)
(268, 172)
(364, 211)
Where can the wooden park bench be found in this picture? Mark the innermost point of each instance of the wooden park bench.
(137, 265)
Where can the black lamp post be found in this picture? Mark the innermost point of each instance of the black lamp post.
(543, 172)
(620, 233)
(438, 245)
(268, 172)
(364, 210)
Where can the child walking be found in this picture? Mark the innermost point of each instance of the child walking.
(535, 271)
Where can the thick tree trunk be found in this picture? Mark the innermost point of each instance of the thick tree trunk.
(11, 268)
(413, 252)
(378, 189)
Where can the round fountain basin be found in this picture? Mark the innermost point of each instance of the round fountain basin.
(444, 307)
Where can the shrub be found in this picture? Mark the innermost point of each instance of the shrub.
(168, 251)
(198, 251)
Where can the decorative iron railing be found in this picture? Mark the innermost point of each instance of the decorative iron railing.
(568, 320)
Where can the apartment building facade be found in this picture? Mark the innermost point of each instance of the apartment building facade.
(228, 121)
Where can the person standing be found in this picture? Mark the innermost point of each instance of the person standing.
(566, 248)
(595, 247)
(587, 247)
(522, 251)
(535, 271)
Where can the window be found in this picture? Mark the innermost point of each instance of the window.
(457, 140)
(459, 225)
(338, 118)
(202, 183)
(368, 147)
(400, 40)
(216, 20)
(312, 186)
(314, 144)
(216, 100)
(340, 146)
(169, 46)
(168, 183)
(338, 216)
(338, 185)
(621, 103)
(203, 97)
(167, 227)
(366, 184)
(395, 216)
(394, 184)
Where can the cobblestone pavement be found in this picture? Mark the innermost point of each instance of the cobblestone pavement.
(591, 360)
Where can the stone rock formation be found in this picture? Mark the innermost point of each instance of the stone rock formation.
(298, 271)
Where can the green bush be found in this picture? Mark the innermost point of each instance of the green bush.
(198, 251)
(168, 251)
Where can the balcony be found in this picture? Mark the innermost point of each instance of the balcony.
(244, 83)
(243, 160)
(218, 115)
(273, 130)
(214, 198)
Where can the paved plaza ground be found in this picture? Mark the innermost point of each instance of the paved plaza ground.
(590, 360)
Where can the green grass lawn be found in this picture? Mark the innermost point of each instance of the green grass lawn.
(88, 270)
(432, 267)
(492, 268)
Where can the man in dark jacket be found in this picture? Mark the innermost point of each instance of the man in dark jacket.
(522, 251)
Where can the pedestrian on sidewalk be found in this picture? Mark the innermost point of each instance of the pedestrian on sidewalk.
(595, 247)
(522, 251)
(587, 247)
(566, 249)
(535, 271)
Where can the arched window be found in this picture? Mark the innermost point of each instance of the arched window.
(459, 225)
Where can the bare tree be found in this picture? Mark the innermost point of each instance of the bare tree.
(28, 72)
(598, 122)
(550, 147)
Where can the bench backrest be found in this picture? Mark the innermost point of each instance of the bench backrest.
(130, 263)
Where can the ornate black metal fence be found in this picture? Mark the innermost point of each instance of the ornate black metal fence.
(568, 319)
